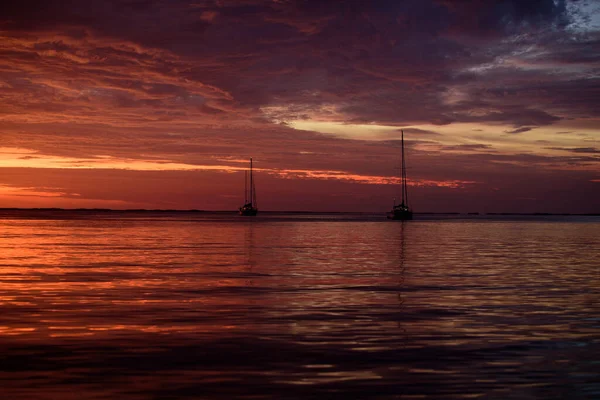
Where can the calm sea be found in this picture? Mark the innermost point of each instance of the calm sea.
(200, 306)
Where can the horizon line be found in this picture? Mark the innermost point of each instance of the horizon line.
(281, 212)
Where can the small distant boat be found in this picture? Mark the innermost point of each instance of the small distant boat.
(402, 211)
(249, 208)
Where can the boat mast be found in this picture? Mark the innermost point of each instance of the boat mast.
(251, 185)
(404, 189)
(246, 187)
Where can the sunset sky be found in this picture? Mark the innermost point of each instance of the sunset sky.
(160, 104)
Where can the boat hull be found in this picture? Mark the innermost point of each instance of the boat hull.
(400, 215)
(248, 212)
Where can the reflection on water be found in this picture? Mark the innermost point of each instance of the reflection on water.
(196, 306)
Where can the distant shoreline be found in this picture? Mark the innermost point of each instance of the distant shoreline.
(109, 210)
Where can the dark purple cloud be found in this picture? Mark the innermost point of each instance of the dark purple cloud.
(520, 130)
(583, 150)
(380, 61)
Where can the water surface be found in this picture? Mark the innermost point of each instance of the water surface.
(176, 305)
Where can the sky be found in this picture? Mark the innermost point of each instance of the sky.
(161, 103)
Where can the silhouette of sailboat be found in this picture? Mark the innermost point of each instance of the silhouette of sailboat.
(249, 208)
(402, 211)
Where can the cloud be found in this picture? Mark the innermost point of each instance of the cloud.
(359, 62)
(494, 18)
(520, 130)
(416, 131)
(583, 150)
(178, 83)
(468, 147)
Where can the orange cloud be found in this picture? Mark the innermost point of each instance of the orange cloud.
(366, 179)
(25, 158)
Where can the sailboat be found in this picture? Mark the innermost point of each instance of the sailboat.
(249, 207)
(402, 211)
